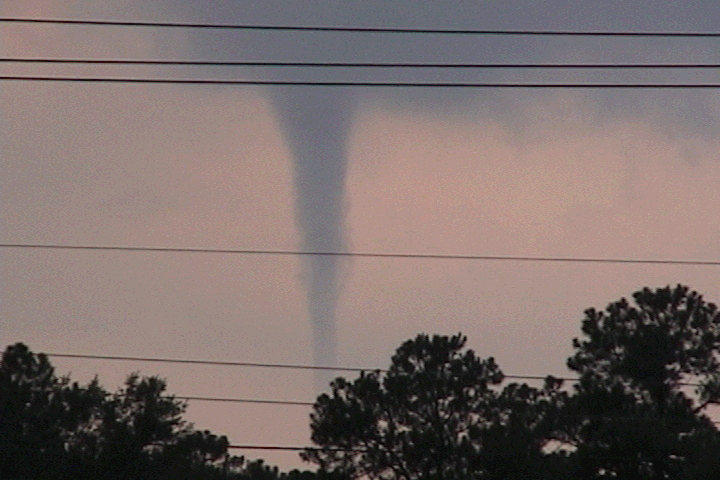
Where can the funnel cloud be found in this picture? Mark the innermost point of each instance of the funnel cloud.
(316, 123)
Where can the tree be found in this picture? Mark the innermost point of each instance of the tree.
(51, 428)
(436, 413)
(631, 415)
(38, 413)
(648, 371)
(138, 432)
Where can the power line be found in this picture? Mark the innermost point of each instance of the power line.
(244, 400)
(311, 404)
(354, 29)
(288, 366)
(426, 256)
(266, 447)
(295, 448)
(363, 450)
(625, 417)
(211, 362)
(305, 83)
(308, 367)
(404, 65)
(629, 457)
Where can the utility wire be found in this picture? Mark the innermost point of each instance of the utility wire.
(212, 362)
(305, 83)
(355, 29)
(287, 366)
(311, 404)
(405, 65)
(244, 400)
(427, 256)
(266, 447)
(625, 417)
(295, 448)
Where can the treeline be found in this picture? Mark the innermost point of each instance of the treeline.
(52, 428)
(647, 371)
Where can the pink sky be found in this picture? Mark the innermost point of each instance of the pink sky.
(208, 167)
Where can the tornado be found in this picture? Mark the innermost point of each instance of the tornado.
(316, 123)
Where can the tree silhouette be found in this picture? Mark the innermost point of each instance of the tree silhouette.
(51, 428)
(38, 414)
(437, 413)
(632, 413)
(648, 371)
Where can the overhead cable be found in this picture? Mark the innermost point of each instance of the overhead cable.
(403, 65)
(243, 400)
(311, 404)
(426, 256)
(626, 417)
(306, 83)
(359, 29)
(287, 366)
(211, 362)
(295, 448)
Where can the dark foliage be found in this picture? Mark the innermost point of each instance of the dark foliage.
(439, 412)
(635, 416)
(51, 428)
(648, 371)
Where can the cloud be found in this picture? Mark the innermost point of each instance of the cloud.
(687, 112)
(569, 189)
(150, 166)
(557, 173)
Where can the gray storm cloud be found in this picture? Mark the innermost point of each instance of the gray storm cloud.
(316, 123)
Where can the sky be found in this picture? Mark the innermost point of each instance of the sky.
(568, 173)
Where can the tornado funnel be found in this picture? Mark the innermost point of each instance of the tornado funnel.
(316, 123)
